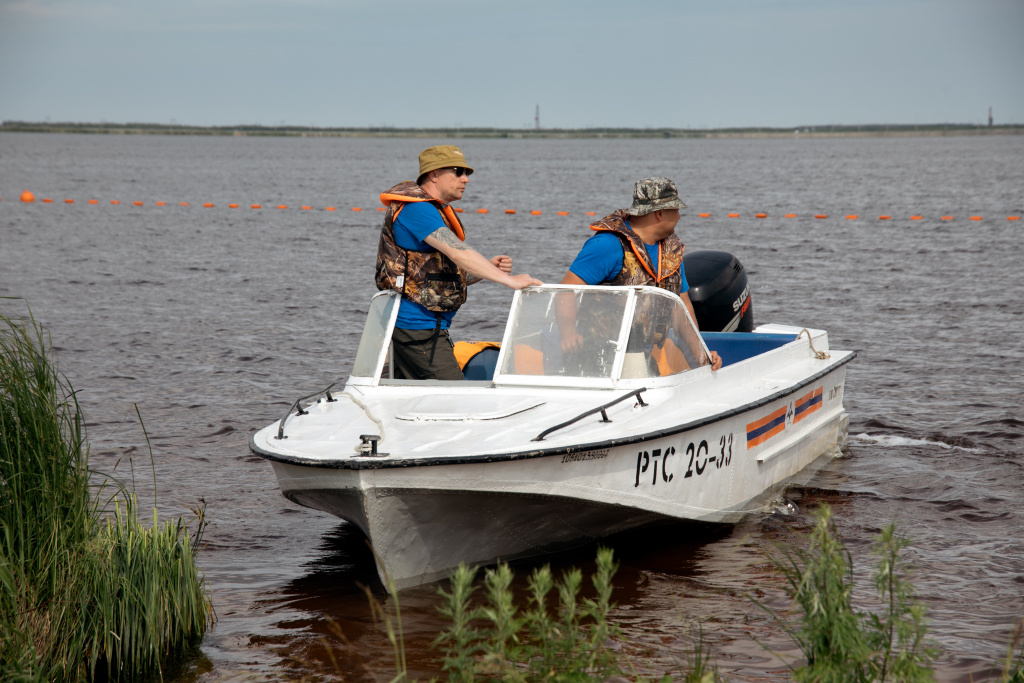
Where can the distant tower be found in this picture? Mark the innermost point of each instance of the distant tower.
(536, 118)
(990, 117)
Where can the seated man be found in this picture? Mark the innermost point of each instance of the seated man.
(636, 246)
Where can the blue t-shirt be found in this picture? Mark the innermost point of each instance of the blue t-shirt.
(415, 223)
(600, 259)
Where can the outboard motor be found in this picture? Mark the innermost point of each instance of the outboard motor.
(719, 291)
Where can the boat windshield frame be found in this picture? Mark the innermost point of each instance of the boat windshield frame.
(614, 378)
(374, 347)
(375, 342)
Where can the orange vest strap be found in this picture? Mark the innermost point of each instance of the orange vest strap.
(449, 214)
(639, 257)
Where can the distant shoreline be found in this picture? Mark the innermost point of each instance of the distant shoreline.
(897, 130)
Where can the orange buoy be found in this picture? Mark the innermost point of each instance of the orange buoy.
(703, 215)
(69, 201)
(328, 208)
(381, 208)
(115, 201)
(1013, 218)
(760, 215)
(208, 205)
(94, 201)
(563, 213)
(821, 215)
(137, 203)
(255, 206)
(591, 213)
(47, 200)
(975, 218)
(535, 212)
(946, 218)
(790, 215)
(884, 218)
(27, 197)
(161, 203)
(307, 208)
(232, 206)
(182, 203)
(510, 211)
(282, 206)
(357, 208)
(482, 211)
(852, 217)
(734, 215)
(458, 210)
(916, 218)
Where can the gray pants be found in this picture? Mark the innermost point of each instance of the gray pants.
(424, 354)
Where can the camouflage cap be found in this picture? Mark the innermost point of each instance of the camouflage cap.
(654, 194)
(442, 156)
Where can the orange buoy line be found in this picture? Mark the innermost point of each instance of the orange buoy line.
(28, 197)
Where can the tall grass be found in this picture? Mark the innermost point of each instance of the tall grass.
(559, 636)
(841, 643)
(563, 640)
(88, 590)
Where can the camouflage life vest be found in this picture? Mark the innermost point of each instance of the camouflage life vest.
(428, 278)
(637, 268)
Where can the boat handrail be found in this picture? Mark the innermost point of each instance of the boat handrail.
(297, 404)
(599, 409)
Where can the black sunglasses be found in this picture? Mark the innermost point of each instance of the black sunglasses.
(459, 171)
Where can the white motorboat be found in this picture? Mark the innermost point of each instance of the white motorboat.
(541, 448)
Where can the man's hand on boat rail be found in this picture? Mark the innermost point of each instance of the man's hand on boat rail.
(716, 360)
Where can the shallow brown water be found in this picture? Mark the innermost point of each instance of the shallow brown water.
(214, 320)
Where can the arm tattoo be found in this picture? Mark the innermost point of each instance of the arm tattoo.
(448, 238)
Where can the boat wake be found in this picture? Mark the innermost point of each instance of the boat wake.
(898, 441)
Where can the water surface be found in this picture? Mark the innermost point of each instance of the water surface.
(213, 320)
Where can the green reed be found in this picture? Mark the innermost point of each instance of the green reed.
(840, 642)
(560, 638)
(89, 591)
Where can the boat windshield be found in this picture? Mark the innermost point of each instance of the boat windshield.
(579, 332)
(376, 333)
(662, 337)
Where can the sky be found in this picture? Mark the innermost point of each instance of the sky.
(479, 63)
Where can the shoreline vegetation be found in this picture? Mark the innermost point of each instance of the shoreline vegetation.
(560, 629)
(88, 591)
(256, 130)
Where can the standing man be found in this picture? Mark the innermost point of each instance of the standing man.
(423, 256)
(636, 246)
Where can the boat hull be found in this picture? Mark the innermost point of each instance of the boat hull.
(423, 521)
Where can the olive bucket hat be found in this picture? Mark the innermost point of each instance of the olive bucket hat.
(654, 194)
(442, 156)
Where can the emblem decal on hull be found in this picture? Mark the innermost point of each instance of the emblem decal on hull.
(805, 405)
(779, 420)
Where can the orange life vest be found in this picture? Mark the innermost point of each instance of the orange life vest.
(428, 278)
(637, 267)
